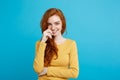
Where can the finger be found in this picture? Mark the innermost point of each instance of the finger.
(49, 35)
(49, 31)
(40, 74)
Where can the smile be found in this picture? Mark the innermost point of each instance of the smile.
(54, 31)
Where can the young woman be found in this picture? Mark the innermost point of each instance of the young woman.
(56, 57)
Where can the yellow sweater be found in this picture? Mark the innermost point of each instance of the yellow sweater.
(64, 67)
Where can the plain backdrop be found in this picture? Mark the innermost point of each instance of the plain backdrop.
(93, 24)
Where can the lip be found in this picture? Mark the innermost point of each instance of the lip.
(54, 31)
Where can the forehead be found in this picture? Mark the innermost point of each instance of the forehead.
(54, 18)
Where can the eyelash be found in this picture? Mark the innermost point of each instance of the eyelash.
(49, 24)
(55, 24)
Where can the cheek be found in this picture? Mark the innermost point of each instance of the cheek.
(49, 27)
(60, 27)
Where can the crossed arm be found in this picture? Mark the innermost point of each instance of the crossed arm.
(71, 72)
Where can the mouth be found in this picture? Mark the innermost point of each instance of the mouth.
(54, 31)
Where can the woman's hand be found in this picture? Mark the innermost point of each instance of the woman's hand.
(46, 34)
(43, 72)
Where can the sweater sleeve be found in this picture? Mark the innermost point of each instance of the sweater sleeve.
(72, 71)
(38, 64)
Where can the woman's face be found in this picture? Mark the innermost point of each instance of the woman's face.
(55, 25)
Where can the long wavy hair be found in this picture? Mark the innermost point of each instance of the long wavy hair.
(51, 48)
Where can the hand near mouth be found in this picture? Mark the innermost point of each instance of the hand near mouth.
(47, 34)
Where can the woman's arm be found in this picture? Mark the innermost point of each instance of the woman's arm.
(72, 71)
(39, 57)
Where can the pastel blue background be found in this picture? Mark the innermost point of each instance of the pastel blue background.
(94, 24)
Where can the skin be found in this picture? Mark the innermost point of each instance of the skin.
(54, 29)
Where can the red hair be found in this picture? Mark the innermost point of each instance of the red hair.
(51, 48)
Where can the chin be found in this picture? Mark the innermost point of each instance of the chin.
(56, 34)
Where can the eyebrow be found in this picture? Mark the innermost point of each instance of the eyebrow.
(54, 22)
(57, 21)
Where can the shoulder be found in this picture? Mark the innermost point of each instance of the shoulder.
(71, 45)
(71, 42)
(37, 42)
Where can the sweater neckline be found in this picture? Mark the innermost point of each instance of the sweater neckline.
(62, 43)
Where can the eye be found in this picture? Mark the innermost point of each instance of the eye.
(49, 24)
(57, 23)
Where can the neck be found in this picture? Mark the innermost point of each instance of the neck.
(58, 38)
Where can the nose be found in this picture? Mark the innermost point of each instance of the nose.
(53, 27)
